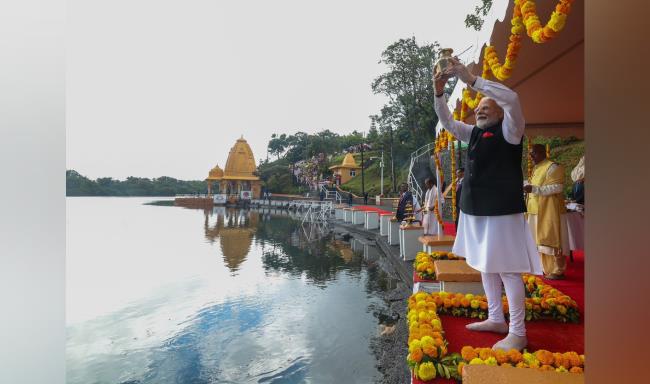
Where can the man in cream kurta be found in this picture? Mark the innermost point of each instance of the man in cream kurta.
(493, 234)
(430, 222)
(545, 206)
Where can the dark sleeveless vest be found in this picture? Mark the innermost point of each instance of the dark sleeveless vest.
(493, 183)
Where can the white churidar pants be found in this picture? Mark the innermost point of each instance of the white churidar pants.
(514, 285)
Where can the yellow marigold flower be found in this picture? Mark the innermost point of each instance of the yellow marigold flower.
(420, 296)
(414, 344)
(426, 340)
(491, 361)
(582, 358)
(460, 367)
(421, 305)
(561, 309)
(561, 369)
(436, 324)
(443, 294)
(469, 296)
(426, 371)
(521, 364)
(529, 358)
(476, 361)
(575, 370)
(474, 304)
(468, 353)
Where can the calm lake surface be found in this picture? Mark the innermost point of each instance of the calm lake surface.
(163, 294)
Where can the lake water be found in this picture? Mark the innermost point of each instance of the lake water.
(163, 294)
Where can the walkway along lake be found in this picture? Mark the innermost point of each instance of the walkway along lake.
(163, 294)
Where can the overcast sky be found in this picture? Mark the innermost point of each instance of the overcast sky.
(164, 88)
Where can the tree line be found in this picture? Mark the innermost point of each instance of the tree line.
(79, 185)
(406, 122)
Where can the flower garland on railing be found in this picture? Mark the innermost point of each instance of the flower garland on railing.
(548, 151)
(424, 263)
(542, 360)
(427, 347)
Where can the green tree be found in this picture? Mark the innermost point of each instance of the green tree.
(475, 20)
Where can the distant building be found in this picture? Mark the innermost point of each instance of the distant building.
(239, 179)
(347, 169)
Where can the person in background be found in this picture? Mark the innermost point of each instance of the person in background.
(430, 221)
(365, 198)
(493, 234)
(350, 198)
(405, 197)
(545, 208)
(578, 177)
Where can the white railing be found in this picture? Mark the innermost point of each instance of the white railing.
(335, 195)
(196, 195)
(412, 182)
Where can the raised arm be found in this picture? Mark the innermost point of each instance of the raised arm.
(513, 119)
(459, 129)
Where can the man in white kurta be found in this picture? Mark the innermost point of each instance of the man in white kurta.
(430, 222)
(500, 246)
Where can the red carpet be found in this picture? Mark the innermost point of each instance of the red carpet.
(542, 334)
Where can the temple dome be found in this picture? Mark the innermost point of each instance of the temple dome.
(241, 163)
(349, 161)
(215, 173)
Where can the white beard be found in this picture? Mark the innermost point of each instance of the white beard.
(486, 123)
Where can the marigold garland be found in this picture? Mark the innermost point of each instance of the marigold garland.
(538, 33)
(548, 151)
(427, 346)
(542, 360)
(542, 302)
(529, 163)
(424, 263)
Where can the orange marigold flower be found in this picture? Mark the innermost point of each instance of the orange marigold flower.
(416, 355)
(560, 361)
(573, 358)
(464, 302)
(514, 356)
(575, 370)
(546, 367)
(446, 303)
(468, 353)
(485, 353)
(544, 357)
(501, 356)
(521, 364)
(431, 351)
(483, 305)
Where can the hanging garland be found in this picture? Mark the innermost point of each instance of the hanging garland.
(502, 72)
(533, 25)
(529, 147)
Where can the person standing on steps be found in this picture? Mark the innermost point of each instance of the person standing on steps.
(492, 233)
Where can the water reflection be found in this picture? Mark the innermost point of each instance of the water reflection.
(250, 299)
